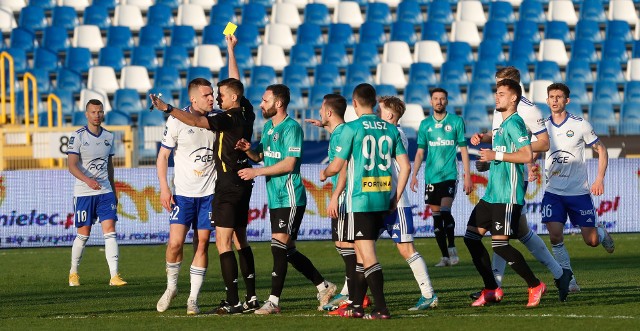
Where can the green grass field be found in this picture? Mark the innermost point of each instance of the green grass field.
(34, 292)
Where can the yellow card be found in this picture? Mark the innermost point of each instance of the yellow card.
(229, 29)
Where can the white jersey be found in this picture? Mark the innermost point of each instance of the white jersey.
(565, 168)
(94, 152)
(194, 170)
(531, 116)
(404, 201)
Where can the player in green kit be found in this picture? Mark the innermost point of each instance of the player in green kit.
(280, 148)
(441, 134)
(499, 209)
(369, 144)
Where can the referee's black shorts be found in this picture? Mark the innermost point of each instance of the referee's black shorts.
(231, 202)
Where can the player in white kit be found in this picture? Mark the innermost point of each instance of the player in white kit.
(90, 152)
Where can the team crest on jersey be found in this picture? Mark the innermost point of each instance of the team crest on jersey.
(166, 129)
(570, 133)
(106, 143)
(276, 136)
(72, 140)
(448, 128)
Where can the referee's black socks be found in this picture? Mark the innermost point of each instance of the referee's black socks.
(248, 269)
(229, 267)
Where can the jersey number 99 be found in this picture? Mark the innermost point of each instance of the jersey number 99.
(372, 148)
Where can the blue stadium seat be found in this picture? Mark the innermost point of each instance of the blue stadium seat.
(222, 13)
(128, 101)
(317, 94)
(403, 31)
(120, 37)
(23, 39)
(109, 4)
(111, 57)
(224, 74)
(212, 35)
(359, 73)
(592, 10)
(480, 93)
(45, 59)
(522, 66)
(255, 14)
(173, 4)
(347, 92)
(379, 12)
(32, 18)
(295, 75)
(572, 108)
(176, 57)
(167, 77)
(584, 49)
(606, 91)
(297, 101)
(199, 72)
(42, 80)
(68, 80)
(615, 50)
(335, 54)
(184, 35)
(152, 36)
(409, 11)
(589, 30)
(460, 51)
(545, 110)
(610, 70)
(79, 118)
(385, 89)
(78, 59)
(630, 118)
(532, 10)
(422, 73)
(372, 33)
(244, 59)
(66, 99)
(547, 70)
(579, 70)
(44, 4)
(162, 15)
(557, 30)
(237, 4)
(263, 75)
(476, 118)
(619, 30)
(434, 31)
(304, 55)
(602, 118)
(579, 95)
(167, 96)
(632, 91)
(184, 98)
(20, 62)
(248, 35)
(491, 50)
(454, 94)
(484, 71)
(440, 11)
(64, 17)
(635, 49)
(496, 30)
(527, 30)
(117, 117)
(367, 54)
(254, 93)
(340, 33)
(522, 50)
(501, 11)
(96, 15)
(309, 33)
(144, 56)
(328, 75)
(317, 13)
(417, 93)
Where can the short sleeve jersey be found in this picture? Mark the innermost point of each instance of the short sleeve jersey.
(506, 179)
(565, 168)
(369, 144)
(333, 143)
(277, 143)
(94, 152)
(194, 171)
(441, 140)
(531, 116)
(404, 200)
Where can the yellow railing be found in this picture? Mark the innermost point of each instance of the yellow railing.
(51, 98)
(5, 57)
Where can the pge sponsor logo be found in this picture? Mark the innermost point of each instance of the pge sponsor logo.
(202, 155)
(97, 164)
(560, 157)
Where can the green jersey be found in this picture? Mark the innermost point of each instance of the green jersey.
(506, 179)
(440, 139)
(369, 144)
(276, 144)
(333, 143)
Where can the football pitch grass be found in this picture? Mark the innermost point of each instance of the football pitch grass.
(34, 291)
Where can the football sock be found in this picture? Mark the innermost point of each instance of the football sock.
(197, 278)
(440, 233)
(349, 258)
(111, 252)
(248, 268)
(562, 255)
(480, 258)
(601, 234)
(515, 260)
(359, 286)
(419, 268)
(449, 225)
(279, 252)
(76, 252)
(173, 269)
(345, 288)
(375, 280)
(498, 264)
(304, 266)
(539, 250)
(229, 268)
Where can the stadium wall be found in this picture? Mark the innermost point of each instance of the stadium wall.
(36, 207)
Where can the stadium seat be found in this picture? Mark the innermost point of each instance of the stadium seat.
(557, 30)
(553, 50)
(79, 118)
(547, 70)
(271, 55)
(397, 52)
(88, 94)
(254, 93)
(461, 52)
(523, 68)
(491, 50)
(439, 11)
(23, 39)
(538, 90)
(379, 12)
(263, 75)
(161, 15)
(602, 118)
(619, 30)
(144, 56)
(562, 10)
(606, 91)
(584, 49)
(413, 116)
(167, 77)
(527, 31)
(44, 4)
(592, 10)
(318, 14)
(7, 21)
(428, 51)
(623, 10)
(630, 118)
(358, 73)
(279, 34)
(184, 36)
(589, 30)
(579, 70)
(615, 50)
(109, 4)
(484, 71)
(127, 100)
(348, 12)
(45, 59)
(610, 70)
(208, 56)
(128, 15)
(142, 4)
(78, 5)
(120, 36)
(20, 62)
(42, 80)
(422, 73)
(328, 75)
(135, 77)
(176, 57)
(471, 11)
(295, 75)
(391, 74)
(199, 72)
(335, 54)
(454, 95)
(248, 35)
(632, 91)
(67, 101)
(434, 31)
(78, 59)
(309, 33)
(405, 32)
(191, 15)
(254, 14)
(340, 33)
(465, 32)
(152, 36)
(55, 39)
(13, 6)
(476, 119)
(633, 70)
(297, 101)
(579, 95)
(94, 15)
(167, 96)
(532, 10)
(409, 11)
(373, 33)
(304, 55)
(68, 80)
(222, 13)
(317, 94)
(496, 30)
(102, 78)
(237, 4)
(32, 18)
(87, 36)
(501, 11)
(111, 57)
(117, 117)
(417, 93)
(287, 14)
(385, 89)
(480, 93)
(212, 35)
(366, 54)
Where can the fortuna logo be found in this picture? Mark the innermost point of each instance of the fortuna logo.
(281, 224)
(359, 234)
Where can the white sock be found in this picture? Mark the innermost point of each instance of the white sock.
(76, 252)
(322, 286)
(345, 288)
(497, 265)
(197, 278)
(419, 268)
(562, 256)
(274, 299)
(601, 234)
(173, 269)
(539, 250)
(111, 252)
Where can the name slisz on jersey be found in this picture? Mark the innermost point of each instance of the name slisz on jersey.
(376, 184)
(374, 125)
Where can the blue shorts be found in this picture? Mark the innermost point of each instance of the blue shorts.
(194, 213)
(399, 225)
(579, 209)
(92, 208)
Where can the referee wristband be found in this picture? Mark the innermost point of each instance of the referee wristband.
(499, 156)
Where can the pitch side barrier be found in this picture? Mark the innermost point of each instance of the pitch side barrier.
(36, 207)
